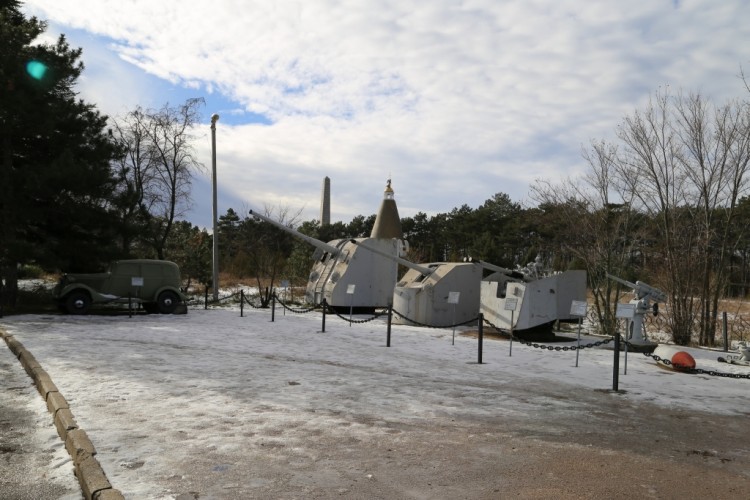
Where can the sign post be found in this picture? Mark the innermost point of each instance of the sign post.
(578, 308)
(350, 292)
(453, 298)
(137, 283)
(285, 286)
(626, 311)
(510, 305)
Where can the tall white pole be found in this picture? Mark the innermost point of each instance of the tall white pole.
(215, 273)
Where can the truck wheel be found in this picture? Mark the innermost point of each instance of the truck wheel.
(78, 303)
(167, 302)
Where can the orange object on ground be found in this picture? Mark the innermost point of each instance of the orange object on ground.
(683, 361)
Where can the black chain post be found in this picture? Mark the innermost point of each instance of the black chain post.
(616, 363)
(390, 317)
(481, 337)
(273, 307)
(324, 316)
(205, 303)
(242, 303)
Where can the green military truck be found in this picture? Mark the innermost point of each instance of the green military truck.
(155, 284)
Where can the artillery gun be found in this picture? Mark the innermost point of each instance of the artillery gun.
(643, 295)
(422, 295)
(527, 299)
(370, 264)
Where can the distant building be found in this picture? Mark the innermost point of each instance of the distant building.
(325, 203)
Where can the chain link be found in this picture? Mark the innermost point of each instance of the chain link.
(555, 347)
(298, 311)
(434, 326)
(375, 316)
(246, 298)
(200, 301)
(687, 369)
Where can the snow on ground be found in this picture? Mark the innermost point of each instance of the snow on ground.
(167, 398)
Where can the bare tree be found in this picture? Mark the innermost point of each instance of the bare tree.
(686, 162)
(271, 249)
(599, 214)
(173, 159)
(156, 173)
(135, 171)
(716, 144)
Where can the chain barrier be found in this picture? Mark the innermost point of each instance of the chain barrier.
(247, 301)
(298, 311)
(329, 309)
(554, 347)
(203, 301)
(700, 371)
(434, 326)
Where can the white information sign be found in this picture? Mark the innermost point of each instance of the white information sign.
(511, 303)
(453, 297)
(578, 308)
(350, 289)
(625, 311)
(136, 281)
(284, 283)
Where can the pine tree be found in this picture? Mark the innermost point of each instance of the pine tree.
(55, 174)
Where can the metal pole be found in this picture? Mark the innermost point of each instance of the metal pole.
(578, 345)
(324, 316)
(724, 330)
(616, 363)
(454, 325)
(242, 302)
(510, 346)
(273, 307)
(390, 317)
(214, 118)
(481, 336)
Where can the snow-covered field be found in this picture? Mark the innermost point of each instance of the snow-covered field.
(226, 406)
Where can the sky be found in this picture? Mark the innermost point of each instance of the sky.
(230, 406)
(454, 100)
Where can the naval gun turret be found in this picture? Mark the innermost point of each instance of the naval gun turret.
(527, 298)
(424, 298)
(348, 272)
(357, 272)
(643, 295)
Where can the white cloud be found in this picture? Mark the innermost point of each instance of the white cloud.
(457, 101)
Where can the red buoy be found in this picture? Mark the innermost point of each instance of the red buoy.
(683, 361)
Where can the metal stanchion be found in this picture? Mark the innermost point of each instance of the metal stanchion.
(390, 316)
(481, 337)
(324, 316)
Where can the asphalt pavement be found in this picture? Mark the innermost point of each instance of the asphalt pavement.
(33, 459)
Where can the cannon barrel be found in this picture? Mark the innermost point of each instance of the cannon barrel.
(622, 281)
(642, 288)
(335, 251)
(314, 242)
(496, 268)
(411, 265)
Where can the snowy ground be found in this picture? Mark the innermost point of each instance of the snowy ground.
(214, 405)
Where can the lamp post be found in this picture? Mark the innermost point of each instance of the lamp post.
(214, 119)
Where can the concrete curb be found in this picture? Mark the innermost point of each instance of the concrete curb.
(91, 476)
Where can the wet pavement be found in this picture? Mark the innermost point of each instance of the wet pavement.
(33, 459)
